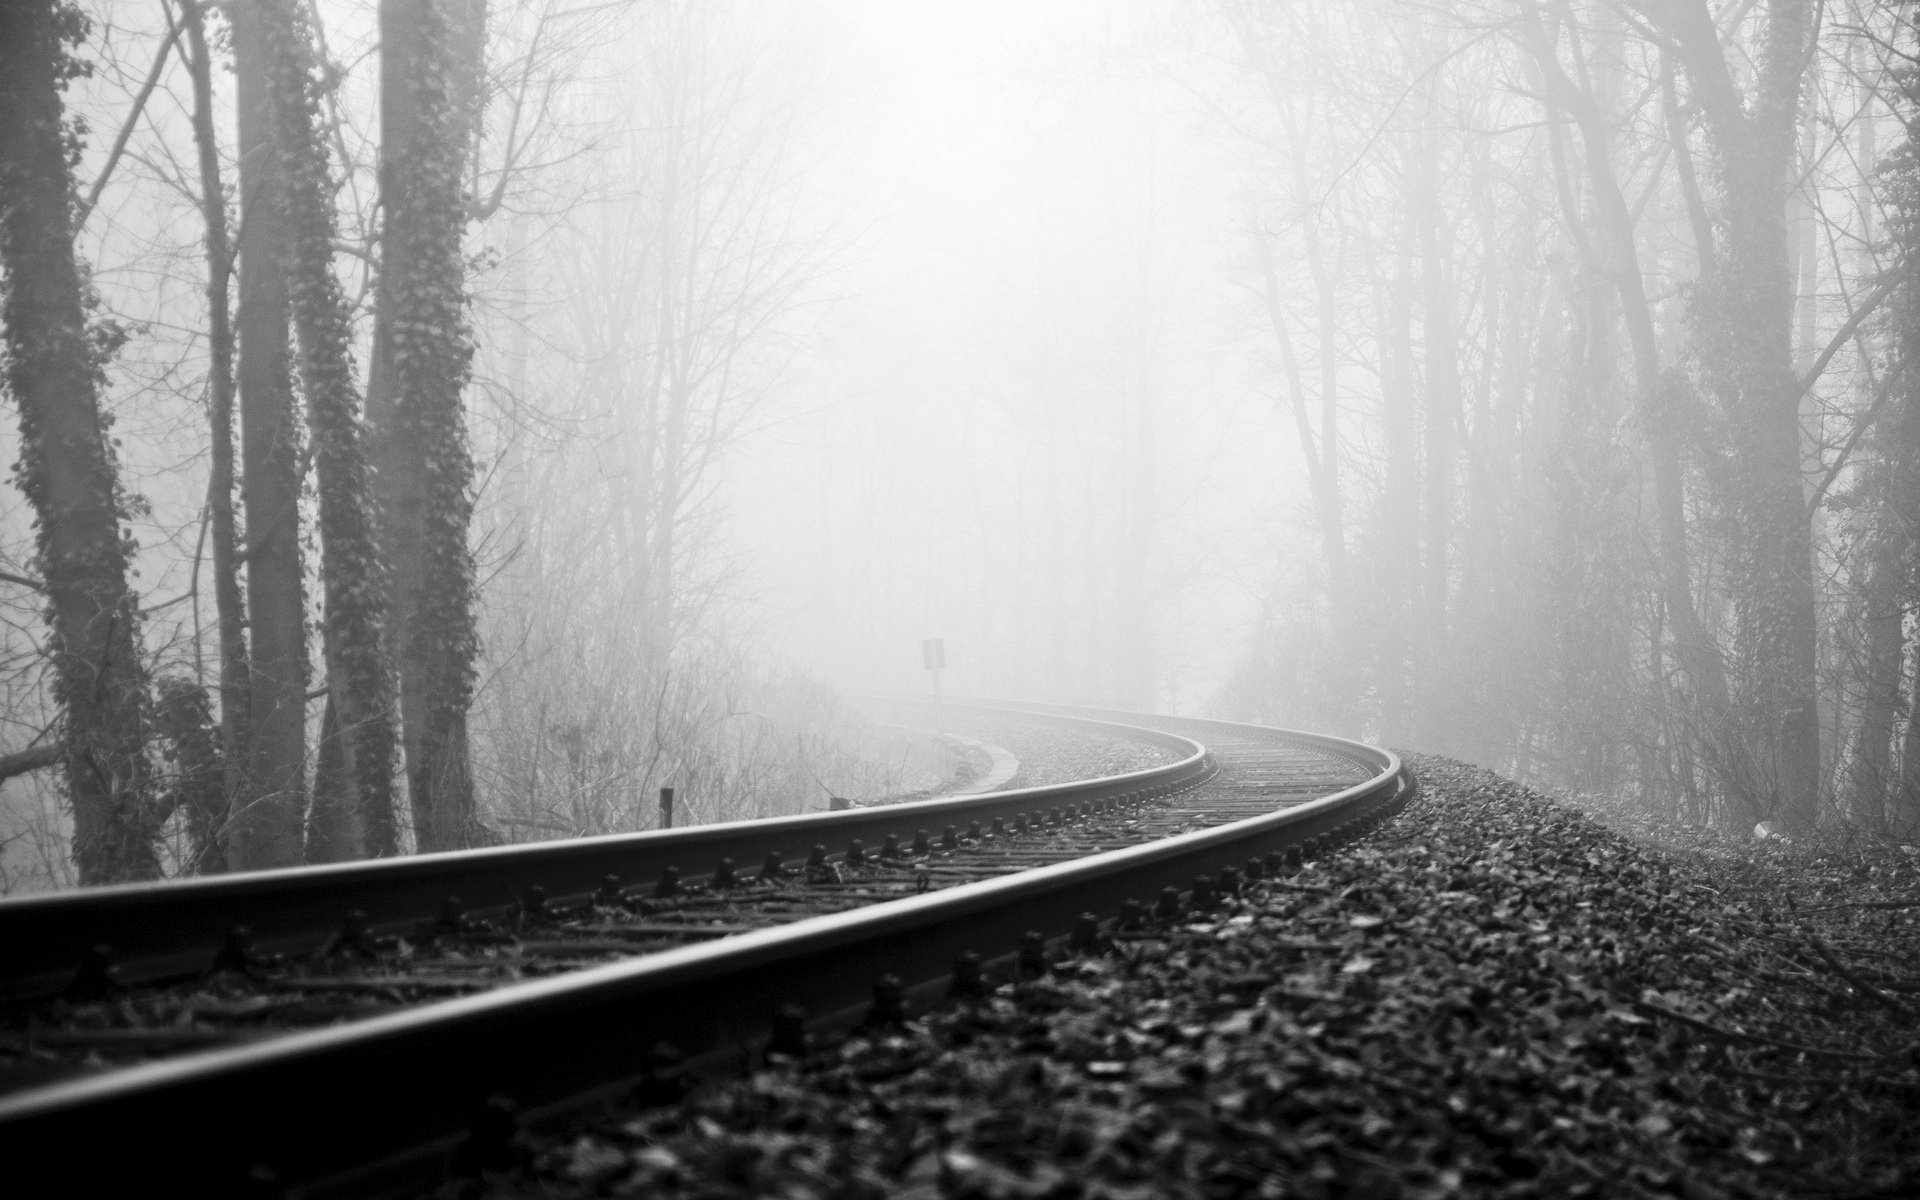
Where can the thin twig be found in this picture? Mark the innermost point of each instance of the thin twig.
(1863, 904)
(1734, 1036)
(1859, 983)
(133, 118)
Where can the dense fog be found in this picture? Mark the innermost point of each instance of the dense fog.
(1526, 382)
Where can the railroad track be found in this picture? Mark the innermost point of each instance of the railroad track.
(80, 1002)
(719, 940)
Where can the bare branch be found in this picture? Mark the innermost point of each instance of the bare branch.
(133, 118)
(36, 758)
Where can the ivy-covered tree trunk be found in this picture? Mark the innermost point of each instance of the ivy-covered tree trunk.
(183, 723)
(422, 352)
(359, 680)
(272, 804)
(335, 831)
(67, 467)
(209, 827)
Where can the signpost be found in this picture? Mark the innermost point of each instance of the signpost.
(933, 656)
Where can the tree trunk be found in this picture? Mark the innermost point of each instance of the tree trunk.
(1613, 254)
(1743, 316)
(358, 676)
(1320, 458)
(1893, 588)
(334, 831)
(422, 353)
(267, 821)
(234, 666)
(1881, 674)
(1396, 678)
(67, 467)
(1441, 412)
(183, 721)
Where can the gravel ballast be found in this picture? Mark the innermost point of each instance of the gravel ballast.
(1494, 995)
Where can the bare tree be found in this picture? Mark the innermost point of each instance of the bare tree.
(235, 667)
(1605, 238)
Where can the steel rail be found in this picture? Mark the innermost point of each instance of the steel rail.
(155, 931)
(381, 1104)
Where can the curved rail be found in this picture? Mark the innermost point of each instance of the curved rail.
(382, 1103)
(151, 931)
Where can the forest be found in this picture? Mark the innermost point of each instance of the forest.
(445, 422)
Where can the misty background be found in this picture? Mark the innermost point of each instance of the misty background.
(1274, 361)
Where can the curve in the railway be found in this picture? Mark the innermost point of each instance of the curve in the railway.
(383, 1103)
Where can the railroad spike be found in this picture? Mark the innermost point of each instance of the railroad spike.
(666, 1063)
(669, 885)
(236, 952)
(950, 838)
(817, 857)
(889, 1009)
(891, 847)
(665, 1080)
(775, 867)
(1169, 903)
(921, 845)
(1256, 869)
(967, 980)
(1032, 962)
(1203, 893)
(535, 905)
(789, 1034)
(723, 875)
(609, 893)
(1086, 934)
(856, 852)
(1229, 881)
(96, 976)
(493, 1139)
(999, 828)
(973, 830)
(353, 937)
(1132, 914)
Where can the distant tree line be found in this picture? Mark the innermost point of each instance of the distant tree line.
(1596, 325)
